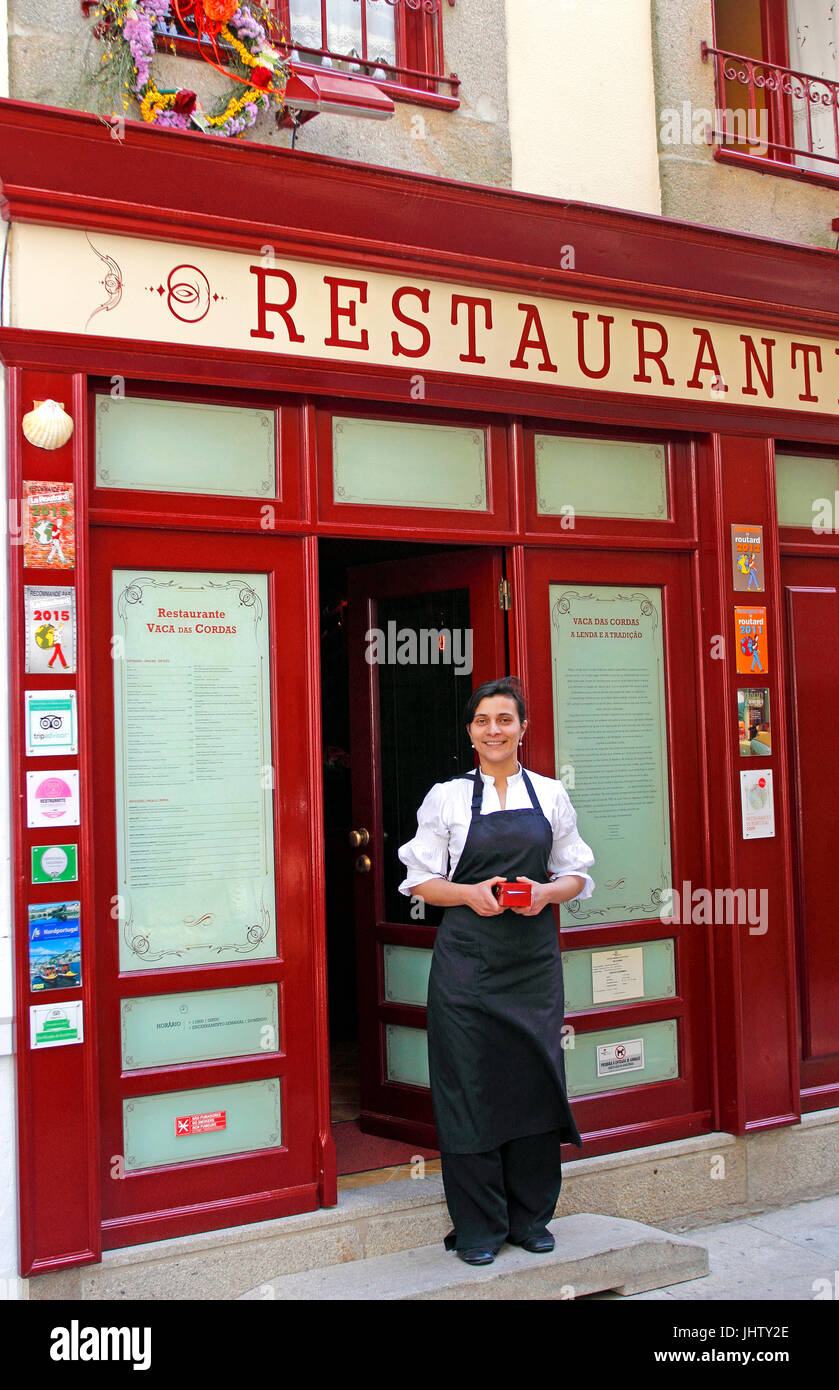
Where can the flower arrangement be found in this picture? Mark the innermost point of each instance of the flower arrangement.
(249, 58)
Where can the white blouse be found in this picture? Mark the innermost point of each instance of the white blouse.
(445, 815)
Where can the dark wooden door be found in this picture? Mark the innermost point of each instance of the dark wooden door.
(423, 634)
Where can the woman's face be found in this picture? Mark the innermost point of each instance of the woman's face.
(496, 728)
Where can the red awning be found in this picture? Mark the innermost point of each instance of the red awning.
(330, 91)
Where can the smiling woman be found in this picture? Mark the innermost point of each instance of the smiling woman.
(495, 991)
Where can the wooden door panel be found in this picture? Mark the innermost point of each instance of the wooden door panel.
(679, 1104)
(176, 1197)
(812, 631)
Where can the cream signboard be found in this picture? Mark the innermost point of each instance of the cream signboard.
(97, 283)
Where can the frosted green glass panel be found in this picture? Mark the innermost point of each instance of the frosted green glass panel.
(182, 1126)
(194, 806)
(600, 477)
(661, 1057)
(611, 743)
(180, 446)
(659, 975)
(803, 487)
(383, 463)
(407, 1055)
(165, 1030)
(406, 974)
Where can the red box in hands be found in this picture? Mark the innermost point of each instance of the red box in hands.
(513, 894)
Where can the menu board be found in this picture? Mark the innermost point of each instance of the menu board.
(610, 732)
(192, 731)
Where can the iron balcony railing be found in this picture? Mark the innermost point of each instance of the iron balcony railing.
(787, 116)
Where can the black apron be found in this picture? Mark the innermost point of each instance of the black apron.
(495, 997)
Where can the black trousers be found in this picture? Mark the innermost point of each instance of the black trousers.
(506, 1192)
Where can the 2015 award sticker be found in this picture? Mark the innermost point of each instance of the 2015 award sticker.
(49, 526)
(52, 798)
(55, 864)
(51, 724)
(50, 620)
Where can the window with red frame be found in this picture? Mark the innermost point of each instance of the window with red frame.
(777, 82)
(397, 42)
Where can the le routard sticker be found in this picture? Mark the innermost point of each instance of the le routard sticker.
(51, 723)
(747, 558)
(55, 864)
(750, 641)
(56, 1025)
(49, 526)
(52, 798)
(50, 622)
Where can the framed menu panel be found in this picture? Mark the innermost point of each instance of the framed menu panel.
(611, 742)
(192, 729)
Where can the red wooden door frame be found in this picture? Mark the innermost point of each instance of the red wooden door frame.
(390, 1108)
(298, 1176)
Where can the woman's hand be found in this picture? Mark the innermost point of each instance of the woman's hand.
(481, 899)
(538, 897)
(559, 890)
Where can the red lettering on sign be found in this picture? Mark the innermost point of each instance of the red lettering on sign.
(345, 311)
(263, 305)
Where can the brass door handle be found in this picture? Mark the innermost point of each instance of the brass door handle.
(362, 864)
(359, 838)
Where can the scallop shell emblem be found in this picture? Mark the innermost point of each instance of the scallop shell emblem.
(48, 426)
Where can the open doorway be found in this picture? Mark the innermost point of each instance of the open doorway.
(418, 741)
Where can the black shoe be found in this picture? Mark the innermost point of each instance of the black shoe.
(476, 1257)
(537, 1245)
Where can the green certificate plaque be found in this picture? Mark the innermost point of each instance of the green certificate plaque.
(610, 733)
(194, 806)
(55, 864)
(170, 1029)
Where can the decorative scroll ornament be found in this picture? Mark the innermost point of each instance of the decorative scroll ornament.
(238, 40)
(48, 425)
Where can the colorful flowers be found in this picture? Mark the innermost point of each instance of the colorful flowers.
(130, 31)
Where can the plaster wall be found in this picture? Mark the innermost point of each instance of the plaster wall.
(582, 101)
(694, 186)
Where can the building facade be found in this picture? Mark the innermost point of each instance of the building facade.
(309, 432)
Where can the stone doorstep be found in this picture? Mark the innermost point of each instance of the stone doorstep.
(593, 1254)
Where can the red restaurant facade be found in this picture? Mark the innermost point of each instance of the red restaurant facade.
(314, 400)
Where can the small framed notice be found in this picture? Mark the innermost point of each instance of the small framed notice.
(56, 1025)
(617, 974)
(751, 649)
(747, 558)
(757, 804)
(51, 724)
(50, 623)
(49, 526)
(55, 863)
(52, 798)
(613, 1058)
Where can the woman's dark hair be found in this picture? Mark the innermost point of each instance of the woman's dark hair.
(505, 685)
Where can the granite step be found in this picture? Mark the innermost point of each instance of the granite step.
(593, 1254)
